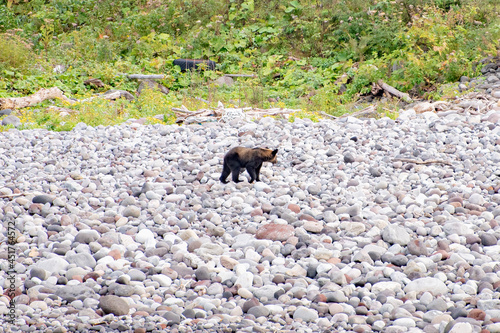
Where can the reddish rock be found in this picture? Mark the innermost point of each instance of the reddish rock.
(108, 219)
(140, 314)
(77, 278)
(35, 208)
(266, 208)
(333, 261)
(150, 173)
(294, 208)
(91, 275)
(320, 298)
(115, 254)
(307, 217)
(275, 232)
(443, 245)
(279, 278)
(65, 220)
(477, 314)
(257, 212)
(250, 304)
(8, 292)
(293, 240)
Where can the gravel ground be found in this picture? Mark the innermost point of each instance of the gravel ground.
(362, 225)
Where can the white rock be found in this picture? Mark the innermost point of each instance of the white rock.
(427, 284)
(395, 234)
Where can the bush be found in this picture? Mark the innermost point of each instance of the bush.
(15, 53)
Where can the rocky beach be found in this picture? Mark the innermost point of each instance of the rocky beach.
(363, 225)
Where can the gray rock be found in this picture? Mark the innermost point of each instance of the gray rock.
(112, 304)
(172, 318)
(86, 236)
(81, 260)
(52, 265)
(349, 158)
(224, 80)
(131, 211)
(38, 273)
(488, 239)
(151, 85)
(259, 311)
(71, 293)
(136, 275)
(306, 314)
(116, 94)
(375, 172)
(43, 199)
(396, 234)
(438, 304)
(11, 120)
(202, 273)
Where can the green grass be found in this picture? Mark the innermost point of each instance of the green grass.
(300, 52)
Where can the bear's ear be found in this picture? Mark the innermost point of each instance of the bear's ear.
(275, 152)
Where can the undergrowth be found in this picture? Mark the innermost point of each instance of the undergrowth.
(314, 55)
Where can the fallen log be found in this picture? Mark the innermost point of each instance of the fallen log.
(40, 96)
(146, 77)
(393, 91)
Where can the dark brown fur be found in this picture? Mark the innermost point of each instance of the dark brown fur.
(249, 158)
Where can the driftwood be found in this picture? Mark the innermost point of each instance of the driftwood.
(40, 96)
(222, 114)
(13, 195)
(146, 77)
(369, 111)
(393, 91)
(409, 160)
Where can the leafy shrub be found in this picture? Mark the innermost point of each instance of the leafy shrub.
(15, 53)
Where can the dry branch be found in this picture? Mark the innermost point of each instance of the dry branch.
(40, 96)
(13, 195)
(409, 160)
(393, 91)
(326, 115)
(240, 75)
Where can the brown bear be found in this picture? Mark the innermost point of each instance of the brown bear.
(249, 158)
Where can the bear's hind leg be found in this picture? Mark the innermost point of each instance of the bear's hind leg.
(235, 174)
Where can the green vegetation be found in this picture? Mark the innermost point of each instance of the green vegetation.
(309, 54)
